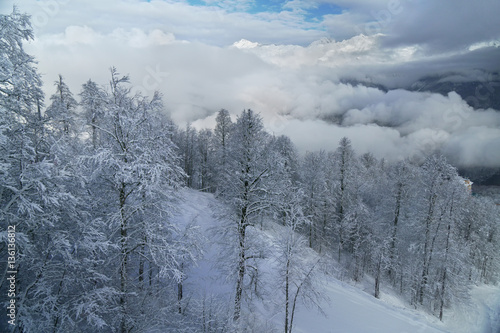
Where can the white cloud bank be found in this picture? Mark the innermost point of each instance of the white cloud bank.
(206, 58)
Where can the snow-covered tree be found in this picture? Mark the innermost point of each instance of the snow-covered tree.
(24, 171)
(206, 168)
(61, 111)
(188, 140)
(93, 102)
(451, 255)
(316, 202)
(392, 201)
(437, 174)
(135, 171)
(222, 134)
(345, 195)
(244, 189)
(54, 237)
(297, 264)
(482, 232)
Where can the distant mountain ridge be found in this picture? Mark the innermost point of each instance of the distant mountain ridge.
(480, 94)
(480, 91)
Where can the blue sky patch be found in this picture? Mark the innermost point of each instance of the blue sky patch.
(313, 14)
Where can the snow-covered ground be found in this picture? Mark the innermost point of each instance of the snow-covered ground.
(352, 310)
(481, 315)
(348, 308)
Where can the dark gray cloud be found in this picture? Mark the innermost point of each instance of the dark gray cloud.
(444, 26)
(435, 26)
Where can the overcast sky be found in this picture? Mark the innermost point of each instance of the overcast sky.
(286, 59)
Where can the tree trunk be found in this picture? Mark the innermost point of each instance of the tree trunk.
(124, 255)
(287, 272)
(293, 308)
(241, 266)
(179, 291)
(94, 132)
(447, 250)
(54, 309)
(150, 276)
(425, 266)
(392, 253)
(377, 277)
(141, 267)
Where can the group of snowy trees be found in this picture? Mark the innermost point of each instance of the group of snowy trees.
(414, 227)
(90, 183)
(89, 186)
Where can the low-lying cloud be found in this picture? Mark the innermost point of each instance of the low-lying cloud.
(302, 97)
(313, 89)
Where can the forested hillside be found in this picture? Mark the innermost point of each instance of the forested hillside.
(90, 182)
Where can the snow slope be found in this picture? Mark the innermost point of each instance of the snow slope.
(352, 310)
(481, 315)
(348, 309)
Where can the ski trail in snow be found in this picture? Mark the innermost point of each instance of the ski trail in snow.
(204, 278)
